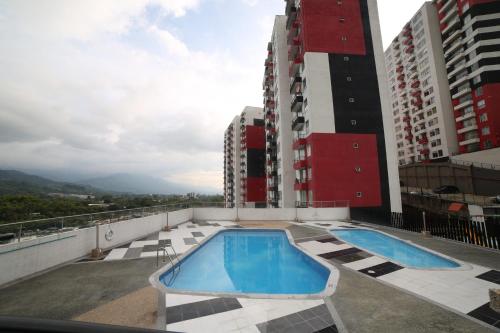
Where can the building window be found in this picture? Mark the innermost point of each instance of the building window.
(359, 194)
(349, 79)
(346, 58)
(351, 100)
(481, 104)
(485, 130)
(477, 79)
(483, 118)
(488, 144)
(342, 20)
(344, 38)
(355, 145)
(479, 91)
(357, 169)
(353, 122)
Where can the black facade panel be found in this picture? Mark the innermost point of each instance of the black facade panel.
(363, 113)
(256, 163)
(483, 9)
(259, 122)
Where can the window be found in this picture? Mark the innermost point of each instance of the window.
(351, 100)
(353, 122)
(349, 79)
(342, 20)
(477, 79)
(346, 58)
(485, 131)
(308, 150)
(344, 38)
(479, 91)
(357, 169)
(481, 104)
(359, 194)
(355, 145)
(483, 118)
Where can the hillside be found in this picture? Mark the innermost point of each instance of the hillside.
(16, 182)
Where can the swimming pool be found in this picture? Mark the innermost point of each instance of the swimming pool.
(394, 249)
(248, 261)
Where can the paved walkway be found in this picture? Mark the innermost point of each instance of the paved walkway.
(464, 290)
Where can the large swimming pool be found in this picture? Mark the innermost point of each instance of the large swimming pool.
(393, 249)
(248, 261)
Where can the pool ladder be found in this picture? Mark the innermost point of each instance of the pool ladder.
(172, 258)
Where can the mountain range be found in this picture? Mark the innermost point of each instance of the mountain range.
(17, 182)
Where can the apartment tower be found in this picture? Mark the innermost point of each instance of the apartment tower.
(420, 95)
(279, 137)
(343, 135)
(470, 32)
(252, 158)
(232, 164)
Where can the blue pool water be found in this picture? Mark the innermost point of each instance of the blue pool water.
(248, 261)
(393, 249)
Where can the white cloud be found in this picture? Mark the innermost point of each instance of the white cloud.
(88, 101)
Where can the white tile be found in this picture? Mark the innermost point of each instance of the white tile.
(365, 263)
(178, 299)
(116, 254)
(143, 243)
(148, 254)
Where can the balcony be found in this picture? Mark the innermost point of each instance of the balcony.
(463, 105)
(298, 123)
(423, 141)
(299, 143)
(461, 93)
(415, 84)
(297, 101)
(300, 164)
(469, 142)
(295, 64)
(425, 151)
(296, 83)
(291, 13)
(301, 185)
(409, 49)
(467, 129)
(466, 116)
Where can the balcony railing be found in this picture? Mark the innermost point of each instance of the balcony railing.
(298, 123)
(297, 101)
(300, 164)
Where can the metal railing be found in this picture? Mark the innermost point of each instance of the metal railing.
(490, 166)
(415, 193)
(481, 230)
(27, 230)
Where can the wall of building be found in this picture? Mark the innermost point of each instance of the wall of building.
(18, 260)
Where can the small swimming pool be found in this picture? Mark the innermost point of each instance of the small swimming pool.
(248, 261)
(394, 249)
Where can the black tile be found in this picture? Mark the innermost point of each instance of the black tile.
(197, 234)
(324, 224)
(381, 269)
(330, 329)
(344, 252)
(190, 241)
(303, 327)
(149, 248)
(486, 314)
(165, 242)
(491, 276)
(294, 318)
(320, 310)
(133, 252)
(200, 309)
(353, 257)
(327, 240)
(317, 324)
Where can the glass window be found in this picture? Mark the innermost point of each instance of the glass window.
(485, 130)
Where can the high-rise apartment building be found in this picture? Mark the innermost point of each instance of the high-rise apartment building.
(470, 32)
(232, 164)
(279, 137)
(342, 140)
(420, 96)
(244, 160)
(252, 158)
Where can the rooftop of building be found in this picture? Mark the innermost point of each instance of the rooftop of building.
(373, 294)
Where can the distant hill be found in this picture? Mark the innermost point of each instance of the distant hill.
(136, 184)
(16, 182)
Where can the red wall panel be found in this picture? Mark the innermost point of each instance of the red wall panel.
(491, 96)
(256, 189)
(334, 160)
(323, 27)
(256, 137)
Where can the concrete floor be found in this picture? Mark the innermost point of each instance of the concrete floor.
(86, 291)
(75, 289)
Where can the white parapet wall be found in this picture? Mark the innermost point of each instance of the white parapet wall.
(271, 214)
(21, 260)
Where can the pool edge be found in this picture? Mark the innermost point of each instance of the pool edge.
(329, 290)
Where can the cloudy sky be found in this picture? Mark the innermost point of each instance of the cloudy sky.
(137, 86)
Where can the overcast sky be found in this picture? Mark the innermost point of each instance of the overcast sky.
(137, 86)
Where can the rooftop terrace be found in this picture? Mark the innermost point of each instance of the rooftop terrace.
(373, 294)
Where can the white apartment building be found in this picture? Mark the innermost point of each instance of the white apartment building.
(422, 110)
(232, 164)
(279, 137)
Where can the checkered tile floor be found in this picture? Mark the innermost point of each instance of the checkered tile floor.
(181, 237)
(465, 291)
(187, 313)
